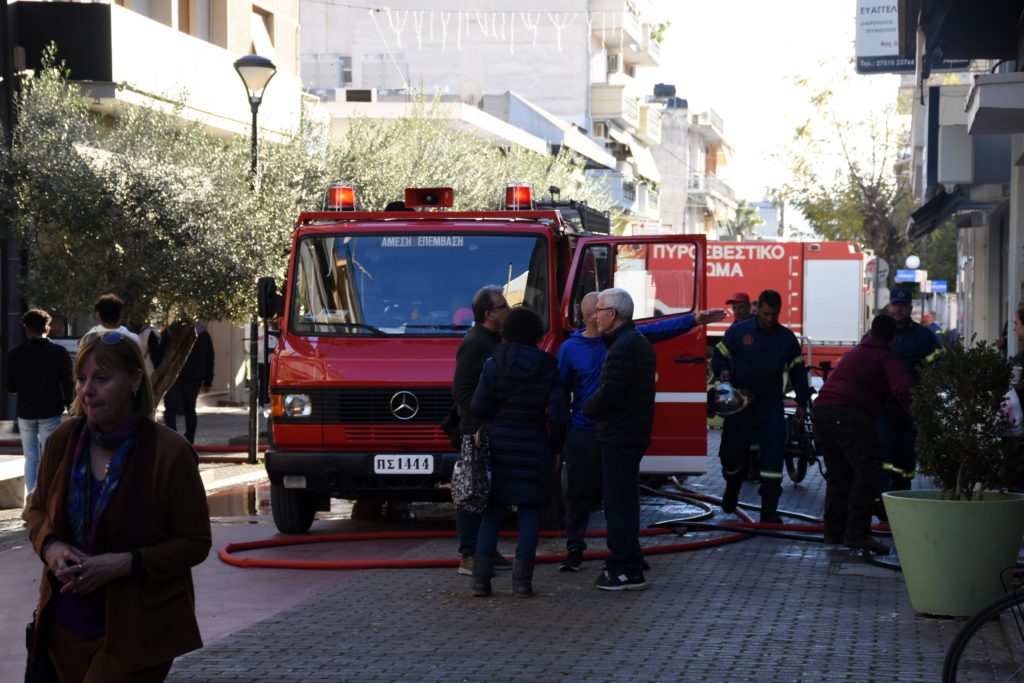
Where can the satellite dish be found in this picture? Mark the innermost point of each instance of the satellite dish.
(471, 93)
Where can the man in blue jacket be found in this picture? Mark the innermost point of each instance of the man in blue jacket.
(916, 346)
(579, 361)
(754, 355)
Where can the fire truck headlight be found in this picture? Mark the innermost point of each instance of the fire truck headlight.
(296, 405)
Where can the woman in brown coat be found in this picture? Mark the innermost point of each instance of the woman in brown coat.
(119, 518)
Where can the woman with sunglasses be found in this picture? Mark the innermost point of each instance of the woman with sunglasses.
(119, 519)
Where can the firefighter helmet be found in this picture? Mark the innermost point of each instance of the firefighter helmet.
(725, 399)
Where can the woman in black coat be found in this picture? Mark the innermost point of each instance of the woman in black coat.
(521, 393)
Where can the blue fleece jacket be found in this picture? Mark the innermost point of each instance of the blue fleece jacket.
(580, 359)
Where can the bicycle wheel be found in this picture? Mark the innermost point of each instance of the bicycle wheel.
(796, 467)
(990, 646)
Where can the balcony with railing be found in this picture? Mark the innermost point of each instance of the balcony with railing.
(710, 125)
(706, 183)
(650, 124)
(616, 23)
(613, 102)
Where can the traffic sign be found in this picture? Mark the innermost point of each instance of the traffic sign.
(903, 275)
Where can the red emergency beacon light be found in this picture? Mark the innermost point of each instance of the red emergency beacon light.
(340, 197)
(518, 198)
(429, 197)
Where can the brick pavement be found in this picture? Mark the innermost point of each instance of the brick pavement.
(759, 610)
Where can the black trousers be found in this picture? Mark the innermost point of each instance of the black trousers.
(181, 399)
(853, 463)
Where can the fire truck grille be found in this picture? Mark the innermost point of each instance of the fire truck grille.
(400, 433)
(399, 407)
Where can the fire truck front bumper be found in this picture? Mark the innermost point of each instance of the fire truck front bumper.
(405, 476)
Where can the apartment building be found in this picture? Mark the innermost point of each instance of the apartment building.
(148, 53)
(691, 159)
(573, 65)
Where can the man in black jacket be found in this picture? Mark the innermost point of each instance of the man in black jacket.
(490, 309)
(623, 410)
(39, 372)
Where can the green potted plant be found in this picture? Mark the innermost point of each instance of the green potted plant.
(953, 542)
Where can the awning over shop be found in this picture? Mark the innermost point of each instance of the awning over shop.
(933, 214)
(644, 160)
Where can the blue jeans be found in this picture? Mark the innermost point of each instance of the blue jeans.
(620, 468)
(529, 530)
(34, 434)
(583, 479)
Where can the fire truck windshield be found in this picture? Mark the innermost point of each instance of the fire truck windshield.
(411, 283)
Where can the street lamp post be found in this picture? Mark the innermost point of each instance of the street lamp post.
(255, 72)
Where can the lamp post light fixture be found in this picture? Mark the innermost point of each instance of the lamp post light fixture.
(255, 72)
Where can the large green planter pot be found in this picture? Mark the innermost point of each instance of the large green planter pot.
(953, 551)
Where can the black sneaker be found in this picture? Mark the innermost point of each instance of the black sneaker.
(620, 582)
(573, 561)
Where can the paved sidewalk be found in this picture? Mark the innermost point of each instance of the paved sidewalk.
(758, 610)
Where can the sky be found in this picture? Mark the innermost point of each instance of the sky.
(740, 58)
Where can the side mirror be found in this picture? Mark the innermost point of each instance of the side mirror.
(267, 299)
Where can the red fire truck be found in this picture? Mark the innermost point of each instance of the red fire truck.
(375, 306)
(826, 297)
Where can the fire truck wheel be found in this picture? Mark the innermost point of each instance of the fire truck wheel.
(293, 510)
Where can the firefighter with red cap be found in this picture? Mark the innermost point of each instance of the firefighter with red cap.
(740, 305)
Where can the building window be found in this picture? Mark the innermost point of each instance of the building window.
(262, 33)
(629, 191)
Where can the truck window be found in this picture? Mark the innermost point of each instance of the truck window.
(411, 283)
(660, 277)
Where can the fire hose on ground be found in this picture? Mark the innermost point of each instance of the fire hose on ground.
(737, 531)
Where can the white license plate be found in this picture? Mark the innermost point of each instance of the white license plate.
(403, 464)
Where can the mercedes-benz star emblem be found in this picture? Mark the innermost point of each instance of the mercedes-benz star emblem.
(405, 405)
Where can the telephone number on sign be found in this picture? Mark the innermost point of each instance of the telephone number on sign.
(403, 464)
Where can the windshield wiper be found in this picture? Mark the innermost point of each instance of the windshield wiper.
(437, 327)
(362, 326)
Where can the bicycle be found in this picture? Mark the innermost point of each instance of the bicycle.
(801, 450)
(990, 646)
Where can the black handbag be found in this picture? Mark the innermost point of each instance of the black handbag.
(40, 668)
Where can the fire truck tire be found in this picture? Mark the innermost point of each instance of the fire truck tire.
(293, 510)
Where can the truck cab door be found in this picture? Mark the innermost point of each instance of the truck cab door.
(666, 277)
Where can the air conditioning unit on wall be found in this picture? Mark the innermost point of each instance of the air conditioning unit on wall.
(600, 130)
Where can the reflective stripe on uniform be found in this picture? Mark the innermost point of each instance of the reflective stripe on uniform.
(723, 349)
(799, 360)
(770, 475)
(930, 358)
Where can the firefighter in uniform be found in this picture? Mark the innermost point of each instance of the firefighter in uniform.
(754, 355)
(916, 346)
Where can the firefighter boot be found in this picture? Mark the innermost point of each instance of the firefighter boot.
(770, 510)
(483, 569)
(731, 497)
(522, 578)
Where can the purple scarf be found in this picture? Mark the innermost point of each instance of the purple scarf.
(84, 513)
